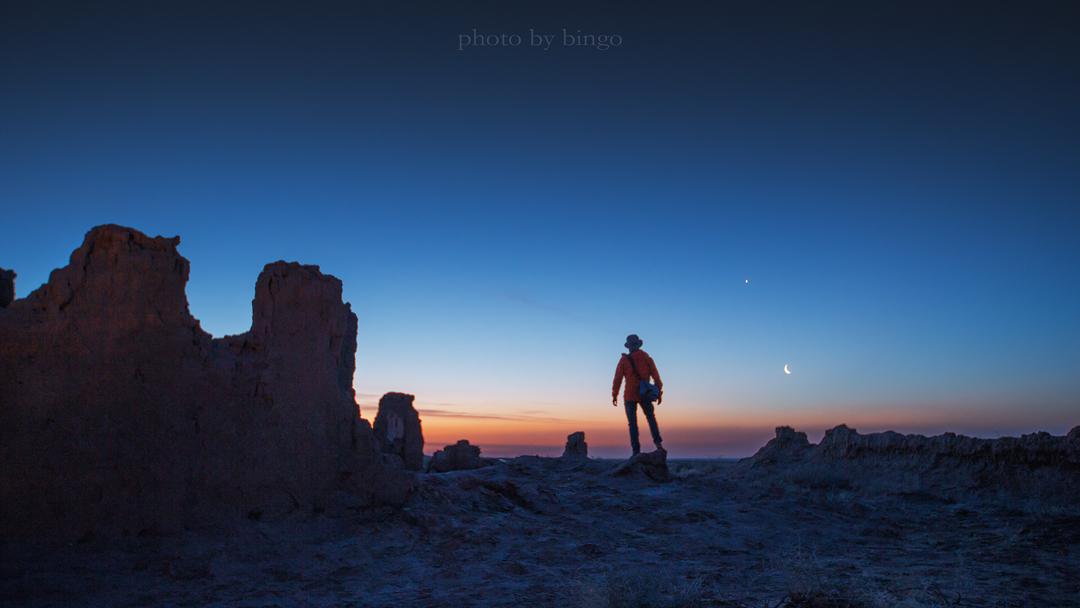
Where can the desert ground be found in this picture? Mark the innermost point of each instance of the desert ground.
(536, 531)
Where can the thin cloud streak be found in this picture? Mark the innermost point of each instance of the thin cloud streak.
(485, 416)
(530, 302)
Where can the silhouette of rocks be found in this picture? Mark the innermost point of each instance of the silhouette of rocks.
(7, 287)
(576, 446)
(1035, 449)
(649, 464)
(120, 414)
(458, 457)
(845, 443)
(945, 464)
(788, 446)
(397, 429)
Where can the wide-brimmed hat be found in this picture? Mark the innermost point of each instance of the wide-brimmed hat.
(632, 341)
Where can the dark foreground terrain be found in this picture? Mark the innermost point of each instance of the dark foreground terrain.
(552, 532)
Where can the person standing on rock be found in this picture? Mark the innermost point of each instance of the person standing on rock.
(637, 367)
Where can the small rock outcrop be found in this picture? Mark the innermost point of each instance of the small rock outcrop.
(789, 445)
(119, 414)
(458, 457)
(652, 465)
(7, 287)
(576, 448)
(398, 431)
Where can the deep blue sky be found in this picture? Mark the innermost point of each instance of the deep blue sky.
(899, 184)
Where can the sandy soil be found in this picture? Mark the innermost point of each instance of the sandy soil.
(546, 532)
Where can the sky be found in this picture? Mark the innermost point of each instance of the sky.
(884, 198)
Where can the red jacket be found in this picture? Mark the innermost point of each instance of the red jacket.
(645, 365)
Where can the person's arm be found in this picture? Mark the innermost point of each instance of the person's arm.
(616, 383)
(656, 378)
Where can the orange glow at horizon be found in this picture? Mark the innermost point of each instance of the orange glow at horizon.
(726, 432)
(507, 423)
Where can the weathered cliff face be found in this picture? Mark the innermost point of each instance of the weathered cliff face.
(845, 443)
(943, 464)
(118, 414)
(1033, 450)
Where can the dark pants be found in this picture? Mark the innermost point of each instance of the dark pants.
(650, 416)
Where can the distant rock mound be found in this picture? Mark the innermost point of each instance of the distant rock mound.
(458, 457)
(576, 448)
(7, 287)
(652, 465)
(119, 414)
(1023, 464)
(789, 445)
(398, 431)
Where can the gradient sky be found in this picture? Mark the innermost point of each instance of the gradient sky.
(898, 183)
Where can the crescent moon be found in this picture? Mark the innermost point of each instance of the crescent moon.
(786, 370)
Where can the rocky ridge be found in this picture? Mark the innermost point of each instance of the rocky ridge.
(947, 465)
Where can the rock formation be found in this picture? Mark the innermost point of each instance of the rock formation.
(942, 464)
(844, 443)
(652, 465)
(788, 446)
(1035, 449)
(398, 432)
(458, 457)
(7, 287)
(576, 447)
(119, 414)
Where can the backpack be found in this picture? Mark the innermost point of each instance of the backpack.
(647, 391)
